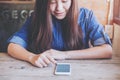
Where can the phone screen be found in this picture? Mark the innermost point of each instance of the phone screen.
(63, 69)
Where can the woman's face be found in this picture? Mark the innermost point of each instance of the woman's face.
(59, 8)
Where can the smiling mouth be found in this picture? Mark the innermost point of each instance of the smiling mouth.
(59, 14)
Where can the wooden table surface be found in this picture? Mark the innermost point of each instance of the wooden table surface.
(104, 69)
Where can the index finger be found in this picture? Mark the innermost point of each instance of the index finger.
(51, 59)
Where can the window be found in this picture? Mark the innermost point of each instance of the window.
(116, 12)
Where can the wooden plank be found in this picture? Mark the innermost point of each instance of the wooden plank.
(116, 39)
(86, 71)
(109, 30)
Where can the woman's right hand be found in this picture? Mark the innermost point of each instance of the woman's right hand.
(41, 60)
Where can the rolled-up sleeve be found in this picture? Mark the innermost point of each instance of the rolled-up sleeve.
(96, 31)
(21, 36)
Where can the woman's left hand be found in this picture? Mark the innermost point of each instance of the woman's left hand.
(56, 54)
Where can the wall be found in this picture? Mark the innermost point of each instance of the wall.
(116, 39)
(100, 8)
(12, 17)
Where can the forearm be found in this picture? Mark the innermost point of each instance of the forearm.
(19, 52)
(104, 51)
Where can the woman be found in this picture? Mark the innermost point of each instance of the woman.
(58, 30)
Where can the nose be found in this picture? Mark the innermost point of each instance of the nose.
(59, 6)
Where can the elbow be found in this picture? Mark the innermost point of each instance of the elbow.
(9, 49)
(108, 52)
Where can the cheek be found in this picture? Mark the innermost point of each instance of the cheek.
(52, 8)
(68, 5)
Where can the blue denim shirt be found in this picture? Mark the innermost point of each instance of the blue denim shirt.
(92, 30)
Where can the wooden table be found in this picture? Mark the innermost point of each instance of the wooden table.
(105, 69)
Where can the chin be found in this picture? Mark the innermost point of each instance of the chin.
(60, 17)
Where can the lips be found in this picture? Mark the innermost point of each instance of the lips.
(59, 13)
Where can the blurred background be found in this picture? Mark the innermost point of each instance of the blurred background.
(13, 14)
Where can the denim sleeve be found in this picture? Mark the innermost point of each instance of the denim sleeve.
(21, 36)
(96, 31)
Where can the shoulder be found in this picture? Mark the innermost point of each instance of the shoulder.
(85, 13)
(84, 10)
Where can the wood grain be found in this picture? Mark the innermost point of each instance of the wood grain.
(101, 69)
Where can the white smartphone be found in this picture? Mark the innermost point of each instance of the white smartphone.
(63, 69)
